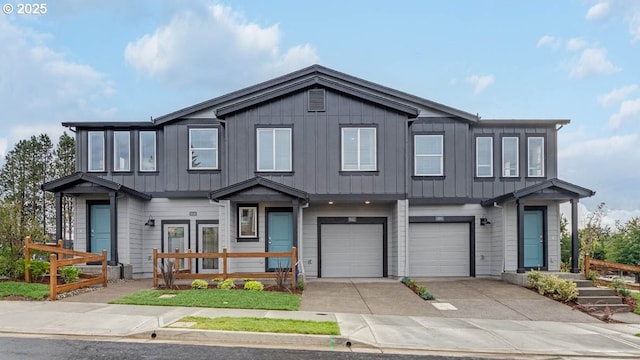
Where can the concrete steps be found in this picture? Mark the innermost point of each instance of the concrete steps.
(599, 299)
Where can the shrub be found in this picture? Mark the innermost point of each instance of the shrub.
(426, 295)
(560, 289)
(565, 290)
(547, 284)
(411, 284)
(169, 272)
(217, 280)
(199, 284)
(70, 274)
(300, 285)
(38, 269)
(227, 284)
(593, 275)
(253, 285)
(534, 278)
(421, 289)
(247, 279)
(624, 292)
(405, 279)
(11, 267)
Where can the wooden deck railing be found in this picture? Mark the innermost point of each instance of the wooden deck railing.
(61, 257)
(187, 272)
(594, 264)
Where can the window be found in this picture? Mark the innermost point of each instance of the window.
(274, 149)
(510, 157)
(428, 151)
(208, 243)
(536, 156)
(96, 151)
(121, 151)
(358, 149)
(147, 151)
(203, 149)
(484, 156)
(248, 221)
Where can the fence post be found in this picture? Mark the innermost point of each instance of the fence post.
(27, 258)
(587, 265)
(176, 263)
(155, 268)
(224, 263)
(294, 267)
(53, 277)
(188, 260)
(104, 267)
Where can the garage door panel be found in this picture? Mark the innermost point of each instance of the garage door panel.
(352, 250)
(439, 249)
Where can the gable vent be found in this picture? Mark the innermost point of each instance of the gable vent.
(316, 100)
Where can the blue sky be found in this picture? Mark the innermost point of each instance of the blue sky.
(132, 60)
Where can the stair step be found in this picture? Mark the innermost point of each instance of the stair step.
(596, 291)
(599, 300)
(583, 283)
(613, 308)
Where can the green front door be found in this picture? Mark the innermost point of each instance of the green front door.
(100, 229)
(534, 239)
(279, 237)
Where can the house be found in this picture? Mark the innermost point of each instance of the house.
(365, 180)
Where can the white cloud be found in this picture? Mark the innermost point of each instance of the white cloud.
(576, 44)
(634, 26)
(629, 110)
(480, 82)
(593, 61)
(616, 95)
(215, 48)
(547, 40)
(627, 11)
(599, 11)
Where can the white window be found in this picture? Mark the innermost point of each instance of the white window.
(429, 159)
(510, 157)
(121, 151)
(358, 149)
(274, 149)
(96, 151)
(484, 156)
(147, 151)
(248, 221)
(208, 243)
(203, 149)
(535, 148)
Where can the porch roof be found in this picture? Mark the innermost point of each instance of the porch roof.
(246, 187)
(552, 189)
(70, 184)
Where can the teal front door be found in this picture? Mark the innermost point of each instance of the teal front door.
(534, 239)
(100, 229)
(279, 237)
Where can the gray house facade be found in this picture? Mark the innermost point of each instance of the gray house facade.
(365, 180)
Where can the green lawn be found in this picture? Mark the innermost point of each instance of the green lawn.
(32, 291)
(264, 325)
(236, 299)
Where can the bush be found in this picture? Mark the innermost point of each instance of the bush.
(534, 278)
(565, 290)
(547, 284)
(70, 274)
(560, 289)
(11, 267)
(617, 283)
(421, 289)
(227, 284)
(300, 285)
(217, 280)
(199, 284)
(253, 285)
(426, 295)
(405, 279)
(38, 269)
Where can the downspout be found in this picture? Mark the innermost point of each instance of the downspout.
(406, 237)
(300, 263)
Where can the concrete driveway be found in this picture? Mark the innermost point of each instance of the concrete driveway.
(455, 298)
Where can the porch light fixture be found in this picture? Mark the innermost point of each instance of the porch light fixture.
(484, 221)
(367, 202)
(330, 202)
(151, 222)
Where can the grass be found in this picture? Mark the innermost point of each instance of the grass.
(637, 297)
(215, 298)
(264, 325)
(27, 290)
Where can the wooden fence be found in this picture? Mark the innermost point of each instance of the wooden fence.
(187, 272)
(595, 264)
(60, 257)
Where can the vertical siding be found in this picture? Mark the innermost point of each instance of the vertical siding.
(136, 224)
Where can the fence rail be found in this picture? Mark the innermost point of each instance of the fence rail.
(187, 272)
(61, 257)
(593, 264)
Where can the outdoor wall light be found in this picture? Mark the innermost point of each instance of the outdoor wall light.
(151, 222)
(484, 221)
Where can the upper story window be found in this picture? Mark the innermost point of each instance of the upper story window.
(484, 156)
(358, 149)
(429, 159)
(203, 149)
(510, 156)
(121, 151)
(96, 151)
(273, 149)
(147, 151)
(535, 156)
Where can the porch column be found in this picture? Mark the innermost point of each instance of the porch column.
(575, 243)
(113, 207)
(58, 196)
(296, 211)
(520, 227)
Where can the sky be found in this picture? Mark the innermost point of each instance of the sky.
(121, 60)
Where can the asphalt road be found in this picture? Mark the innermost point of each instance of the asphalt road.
(31, 348)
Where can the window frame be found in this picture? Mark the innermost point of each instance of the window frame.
(274, 147)
(251, 237)
(490, 138)
(216, 149)
(90, 152)
(517, 157)
(542, 156)
(115, 149)
(359, 163)
(416, 155)
(155, 151)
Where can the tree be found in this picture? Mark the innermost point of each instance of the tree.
(565, 241)
(65, 164)
(624, 246)
(594, 236)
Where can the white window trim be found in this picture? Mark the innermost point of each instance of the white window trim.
(490, 157)
(89, 151)
(191, 149)
(415, 155)
(254, 225)
(273, 137)
(115, 158)
(529, 157)
(375, 148)
(517, 157)
(155, 151)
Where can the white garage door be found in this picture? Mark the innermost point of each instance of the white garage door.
(351, 250)
(439, 249)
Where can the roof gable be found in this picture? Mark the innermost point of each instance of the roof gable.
(80, 178)
(551, 189)
(260, 187)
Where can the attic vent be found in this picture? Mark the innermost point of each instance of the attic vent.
(316, 100)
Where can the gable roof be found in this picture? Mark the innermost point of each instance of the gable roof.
(310, 76)
(557, 188)
(71, 180)
(257, 181)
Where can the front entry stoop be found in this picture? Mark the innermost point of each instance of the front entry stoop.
(598, 299)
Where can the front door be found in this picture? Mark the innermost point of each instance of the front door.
(100, 229)
(534, 239)
(176, 236)
(279, 236)
(208, 243)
